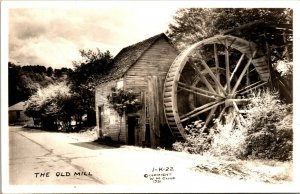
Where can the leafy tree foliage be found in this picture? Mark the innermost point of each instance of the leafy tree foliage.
(93, 66)
(44, 87)
(195, 24)
(49, 71)
(84, 78)
(52, 105)
(25, 81)
(124, 101)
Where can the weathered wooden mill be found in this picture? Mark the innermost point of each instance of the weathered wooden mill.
(210, 79)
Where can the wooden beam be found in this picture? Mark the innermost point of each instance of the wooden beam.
(227, 67)
(210, 116)
(200, 110)
(247, 77)
(183, 85)
(249, 89)
(212, 75)
(238, 112)
(208, 85)
(241, 27)
(195, 92)
(237, 66)
(153, 110)
(222, 112)
(258, 82)
(217, 66)
(242, 74)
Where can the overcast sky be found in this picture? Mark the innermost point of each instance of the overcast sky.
(53, 37)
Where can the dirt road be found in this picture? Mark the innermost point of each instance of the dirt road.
(51, 158)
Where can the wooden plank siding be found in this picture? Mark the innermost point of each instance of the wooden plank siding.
(112, 122)
(153, 64)
(156, 61)
(147, 75)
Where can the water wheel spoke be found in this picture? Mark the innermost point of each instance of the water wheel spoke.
(235, 69)
(208, 85)
(251, 85)
(200, 110)
(238, 112)
(198, 91)
(248, 77)
(217, 66)
(237, 66)
(252, 88)
(210, 116)
(238, 123)
(227, 66)
(213, 76)
(238, 82)
(230, 120)
(222, 113)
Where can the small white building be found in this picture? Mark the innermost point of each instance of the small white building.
(17, 115)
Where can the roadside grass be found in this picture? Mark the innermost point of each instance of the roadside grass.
(268, 171)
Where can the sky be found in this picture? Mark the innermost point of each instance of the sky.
(54, 36)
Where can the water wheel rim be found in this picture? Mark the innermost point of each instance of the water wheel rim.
(172, 82)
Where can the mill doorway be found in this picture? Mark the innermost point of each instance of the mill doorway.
(132, 123)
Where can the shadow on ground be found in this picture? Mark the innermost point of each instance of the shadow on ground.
(99, 144)
(38, 130)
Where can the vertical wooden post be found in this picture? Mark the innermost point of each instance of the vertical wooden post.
(154, 113)
(286, 50)
(268, 53)
(160, 104)
(126, 127)
(142, 134)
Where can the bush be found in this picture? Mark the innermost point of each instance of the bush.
(197, 141)
(228, 140)
(270, 133)
(267, 133)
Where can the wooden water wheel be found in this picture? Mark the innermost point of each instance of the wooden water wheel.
(212, 79)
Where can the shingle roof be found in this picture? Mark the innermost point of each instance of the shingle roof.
(18, 106)
(128, 56)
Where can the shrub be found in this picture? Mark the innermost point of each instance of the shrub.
(197, 141)
(267, 133)
(228, 140)
(270, 133)
(124, 101)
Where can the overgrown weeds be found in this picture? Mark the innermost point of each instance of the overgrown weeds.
(267, 133)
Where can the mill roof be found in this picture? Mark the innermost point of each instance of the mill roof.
(124, 60)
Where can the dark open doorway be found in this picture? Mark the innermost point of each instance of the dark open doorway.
(132, 122)
(100, 119)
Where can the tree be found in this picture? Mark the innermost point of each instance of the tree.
(92, 67)
(52, 105)
(49, 71)
(195, 24)
(88, 71)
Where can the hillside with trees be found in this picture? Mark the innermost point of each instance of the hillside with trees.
(58, 96)
(24, 81)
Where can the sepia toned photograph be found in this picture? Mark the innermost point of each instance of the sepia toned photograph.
(147, 97)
